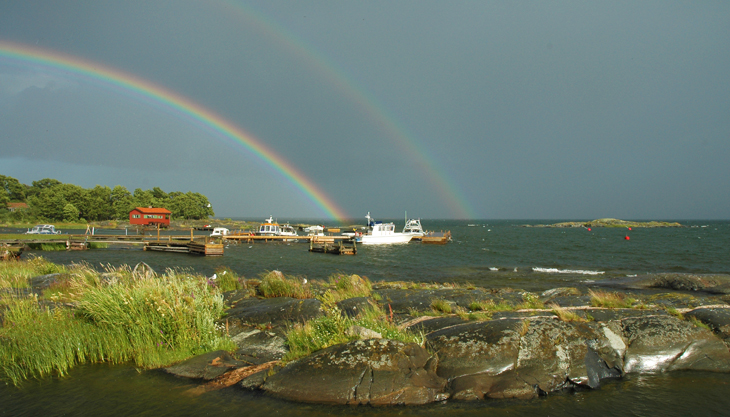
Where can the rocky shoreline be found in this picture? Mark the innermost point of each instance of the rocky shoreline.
(572, 340)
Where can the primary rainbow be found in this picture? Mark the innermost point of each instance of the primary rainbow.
(182, 107)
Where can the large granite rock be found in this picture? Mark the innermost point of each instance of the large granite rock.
(522, 358)
(272, 311)
(374, 371)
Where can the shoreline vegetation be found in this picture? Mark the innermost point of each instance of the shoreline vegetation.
(418, 342)
(608, 222)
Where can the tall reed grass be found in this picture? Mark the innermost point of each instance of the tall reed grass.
(117, 315)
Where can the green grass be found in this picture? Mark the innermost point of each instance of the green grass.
(228, 280)
(343, 287)
(442, 306)
(276, 284)
(119, 316)
(16, 274)
(566, 315)
(530, 301)
(491, 306)
(332, 329)
(609, 299)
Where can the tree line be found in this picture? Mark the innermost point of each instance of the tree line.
(51, 200)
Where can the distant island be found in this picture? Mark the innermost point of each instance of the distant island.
(608, 223)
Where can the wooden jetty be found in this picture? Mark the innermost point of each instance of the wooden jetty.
(436, 238)
(200, 245)
(338, 247)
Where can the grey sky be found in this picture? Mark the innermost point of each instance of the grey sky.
(525, 109)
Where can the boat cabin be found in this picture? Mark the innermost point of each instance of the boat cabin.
(150, 216)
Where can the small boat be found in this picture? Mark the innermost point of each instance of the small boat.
(382, 234)
(220, 231)
(288, 230)
(268, 228)
(314, 230)
(43, 229)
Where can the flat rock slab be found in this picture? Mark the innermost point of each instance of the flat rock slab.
(707, 283)
(274, 311)
(375, 371)
(257, 346)
(403, 301)
(207, 366)
(717, 318)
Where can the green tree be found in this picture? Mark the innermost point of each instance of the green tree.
(99, 204)
(70, 213)
(12, 189)
(122, 202)
(48, 204)
(41, 185)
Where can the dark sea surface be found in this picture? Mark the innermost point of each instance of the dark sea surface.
(486, 253)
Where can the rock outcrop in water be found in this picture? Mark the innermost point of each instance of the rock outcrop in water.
(521, 353)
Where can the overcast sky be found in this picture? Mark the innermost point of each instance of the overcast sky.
(446, 109)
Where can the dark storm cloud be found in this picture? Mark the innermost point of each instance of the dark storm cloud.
(556, 110)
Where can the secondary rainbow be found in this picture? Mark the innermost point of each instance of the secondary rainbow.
(450, 191)
(181, 106)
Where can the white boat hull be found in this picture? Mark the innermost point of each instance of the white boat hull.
(386, 240)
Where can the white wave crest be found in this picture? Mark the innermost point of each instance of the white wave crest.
(567, 271)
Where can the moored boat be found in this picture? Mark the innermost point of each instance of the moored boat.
(379, 233)
(43, 229)
(268, 228)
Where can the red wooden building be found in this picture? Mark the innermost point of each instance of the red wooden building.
(150, 215)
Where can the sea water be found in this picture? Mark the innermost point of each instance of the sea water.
(488, 253)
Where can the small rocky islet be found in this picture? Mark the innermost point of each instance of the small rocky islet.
(607, 222)
(561, 339)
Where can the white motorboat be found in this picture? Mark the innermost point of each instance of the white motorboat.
(43, 229)
(219, 232)
(382, 233)
(413, 227)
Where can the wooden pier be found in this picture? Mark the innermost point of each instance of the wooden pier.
(339, 247)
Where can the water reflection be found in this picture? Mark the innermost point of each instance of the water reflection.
(108, 390)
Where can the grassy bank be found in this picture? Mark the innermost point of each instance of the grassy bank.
(117, 315)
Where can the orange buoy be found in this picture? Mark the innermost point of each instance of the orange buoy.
(627, 238)
(589, 229)
(629, 228)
